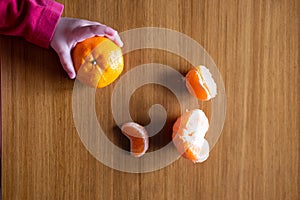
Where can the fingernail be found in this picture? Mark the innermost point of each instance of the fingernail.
(110, 31)
(71, 75)
(121, 44)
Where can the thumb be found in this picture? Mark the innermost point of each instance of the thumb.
(66, 62)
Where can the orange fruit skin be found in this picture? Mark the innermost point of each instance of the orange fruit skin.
(196, 85)
(138, 136)
(188, 150)
(98, 61)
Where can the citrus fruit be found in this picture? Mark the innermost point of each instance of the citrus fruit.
(98, 61)
(200, 83)
(188, 135)
(138, 136)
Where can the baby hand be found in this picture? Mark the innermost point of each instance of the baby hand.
(69, 31)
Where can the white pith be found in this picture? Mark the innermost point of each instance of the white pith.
(208, 79)
(193, 133)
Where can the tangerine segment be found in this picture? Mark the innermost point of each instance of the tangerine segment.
(200, 83)
(188, 135)
(138, 136)
(97, 61)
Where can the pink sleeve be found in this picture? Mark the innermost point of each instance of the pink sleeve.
(35, 20)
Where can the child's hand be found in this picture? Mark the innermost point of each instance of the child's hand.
(69, 31)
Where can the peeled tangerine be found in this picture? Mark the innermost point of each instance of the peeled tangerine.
(188, 135)
(200, 83)
(98, 61)
(138, 137)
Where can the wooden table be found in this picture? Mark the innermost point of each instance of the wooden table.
(255, 45)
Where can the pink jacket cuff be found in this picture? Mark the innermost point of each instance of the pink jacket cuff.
(34, 20)
(46, 25)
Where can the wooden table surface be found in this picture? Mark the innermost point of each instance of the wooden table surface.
(255, 45)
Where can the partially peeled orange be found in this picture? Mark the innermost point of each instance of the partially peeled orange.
(188, 135)
(200, 83)
(138, 136)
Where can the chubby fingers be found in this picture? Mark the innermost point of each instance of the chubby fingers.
(88, 31)
(91, 30)
(66, 62)
(113, 36)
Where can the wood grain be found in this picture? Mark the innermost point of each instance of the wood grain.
(255, 45)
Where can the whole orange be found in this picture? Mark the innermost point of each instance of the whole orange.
(98, 61)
